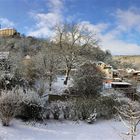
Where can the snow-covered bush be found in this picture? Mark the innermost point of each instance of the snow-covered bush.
(83, 108)
(9, 104)
(105, 106)
(92, 117)
(47, 112)
(67, 108)
(32, 106)
(56, 109)
(17, 103)
(10, 81)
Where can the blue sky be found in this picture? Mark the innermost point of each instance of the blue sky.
(116, 22)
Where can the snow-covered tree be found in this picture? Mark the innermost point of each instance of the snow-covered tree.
(71, 39)
(129, 114)
(46, 62)
(88, 80)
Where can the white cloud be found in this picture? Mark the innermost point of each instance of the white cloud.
(128, 19)
(6, 22)
(125, 21)
(46, 21)
(44, 24)
(97, 28)
(55, 5)
(110, 40)
(119, 47)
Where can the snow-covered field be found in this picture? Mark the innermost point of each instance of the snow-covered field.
(64, 130)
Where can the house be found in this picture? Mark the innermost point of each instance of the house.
(136, 75)
(107, 83)
(123, 73)
(106, 69)
(27, 60)
(121, 85)
(117, 79)
(116, 85)
(127, 88)
(100, 64)
(129, 70)
(116, 73)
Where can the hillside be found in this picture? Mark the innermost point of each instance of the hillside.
(133, 59)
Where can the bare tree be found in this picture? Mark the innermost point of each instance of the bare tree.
(71, 39)
(130, 116)
(46, 62)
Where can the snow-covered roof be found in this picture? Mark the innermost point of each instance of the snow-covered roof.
(117, 78)
(100, 62)
(121, 83)
(27, 57)
(114, 70)
(108, 66)
(136, 72)
(121, 70)
(107, 78)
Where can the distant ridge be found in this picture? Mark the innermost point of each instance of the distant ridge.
(126, 55)
(134, 59)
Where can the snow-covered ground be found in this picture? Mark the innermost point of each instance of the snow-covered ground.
(138, 87)
(57, 86)
(64, 130)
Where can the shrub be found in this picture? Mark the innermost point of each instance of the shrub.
(47, 112)
(17, 103)
(31, 106)
(105, 107)
(9, 104)
(55, 108)
(84, 107)
(59, 109)
(66, 109)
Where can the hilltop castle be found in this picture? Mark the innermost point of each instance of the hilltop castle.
(5, 32)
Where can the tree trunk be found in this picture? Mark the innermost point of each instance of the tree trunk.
(66, 80)
(67, 76)
(50, 83)
(5, 121)
(132, 131)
